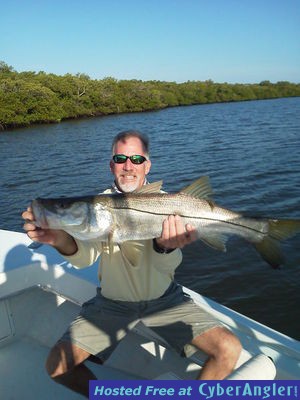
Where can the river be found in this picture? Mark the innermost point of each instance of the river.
(250, 150)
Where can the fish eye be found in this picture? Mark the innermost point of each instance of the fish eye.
(62, 205)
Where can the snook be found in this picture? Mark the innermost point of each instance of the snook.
(139, 216)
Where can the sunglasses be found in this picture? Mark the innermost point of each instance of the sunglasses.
(135, 159)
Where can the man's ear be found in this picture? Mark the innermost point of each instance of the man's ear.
(111, 166)
(148, 167)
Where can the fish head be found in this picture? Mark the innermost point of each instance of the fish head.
(82, 217)
(59, 213)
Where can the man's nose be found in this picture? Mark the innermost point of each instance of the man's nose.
(127, 165)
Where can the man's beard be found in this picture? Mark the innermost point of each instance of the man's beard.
(128, 187)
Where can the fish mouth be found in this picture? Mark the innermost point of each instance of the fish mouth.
(40, 219)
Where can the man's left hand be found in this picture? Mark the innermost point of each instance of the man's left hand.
(175, 234)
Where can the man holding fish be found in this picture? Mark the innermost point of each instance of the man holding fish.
(137, 278)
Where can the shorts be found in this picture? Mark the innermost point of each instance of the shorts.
(102, 322)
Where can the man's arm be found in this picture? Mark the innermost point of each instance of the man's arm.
(175, 234)
(60, 240)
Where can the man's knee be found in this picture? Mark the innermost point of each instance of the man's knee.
(228, 344)
(63, 358)
(219, 342)
(56, 363)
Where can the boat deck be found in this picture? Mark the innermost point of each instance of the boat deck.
(32, 321)
(40, 296)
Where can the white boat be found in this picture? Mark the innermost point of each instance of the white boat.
(40, 293)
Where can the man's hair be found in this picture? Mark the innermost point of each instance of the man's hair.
(123, 136)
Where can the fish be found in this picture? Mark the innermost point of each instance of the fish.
(121, 217)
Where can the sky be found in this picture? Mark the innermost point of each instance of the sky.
(234, 41)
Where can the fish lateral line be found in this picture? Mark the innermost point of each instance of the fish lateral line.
(194, 217)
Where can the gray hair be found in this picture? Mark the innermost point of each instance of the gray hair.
(123, 136)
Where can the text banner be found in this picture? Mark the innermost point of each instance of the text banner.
(192, 390)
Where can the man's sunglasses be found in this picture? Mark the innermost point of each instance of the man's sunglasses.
(135, 159)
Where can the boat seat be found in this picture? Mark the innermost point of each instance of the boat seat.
(259, 367)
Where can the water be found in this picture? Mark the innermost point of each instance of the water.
(250, 150)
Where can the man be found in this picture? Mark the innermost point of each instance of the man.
(137, 283)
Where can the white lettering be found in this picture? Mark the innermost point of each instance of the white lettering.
(185, 391)
(202, 388)
(266, 391)
(220, 390)
(117, 391)
(98, 391)
(159, 391)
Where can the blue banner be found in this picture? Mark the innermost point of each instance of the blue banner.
(194, 390)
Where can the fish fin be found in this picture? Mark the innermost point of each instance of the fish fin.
(216, 241)
(281, 229)
(200, 188)
(269, 250)
(154, 187)
(211, 204)
(269, 247)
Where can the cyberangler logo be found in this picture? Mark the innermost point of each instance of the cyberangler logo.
(244, 390)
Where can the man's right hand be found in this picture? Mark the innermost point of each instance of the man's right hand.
(59, 239)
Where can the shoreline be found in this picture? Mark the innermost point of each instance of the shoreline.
(29, 98)
(12, 127)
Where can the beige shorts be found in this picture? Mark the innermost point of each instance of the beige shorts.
(102, 322)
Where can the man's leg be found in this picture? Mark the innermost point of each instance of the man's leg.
(65, 366)
(223, 349)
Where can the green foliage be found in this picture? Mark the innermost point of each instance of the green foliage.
(24, 103)
(4, 68)
(29, 97)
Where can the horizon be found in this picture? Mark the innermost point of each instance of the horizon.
(153, 80)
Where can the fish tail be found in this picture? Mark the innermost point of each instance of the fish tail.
(269, 247)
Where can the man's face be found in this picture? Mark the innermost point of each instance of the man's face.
(129, 176)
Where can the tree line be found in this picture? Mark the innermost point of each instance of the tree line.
(37, 97)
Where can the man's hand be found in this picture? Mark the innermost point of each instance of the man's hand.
(175, 234)
(59, 239)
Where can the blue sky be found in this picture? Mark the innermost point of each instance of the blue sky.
(232, 41)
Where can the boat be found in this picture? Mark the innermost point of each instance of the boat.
(40, 293)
